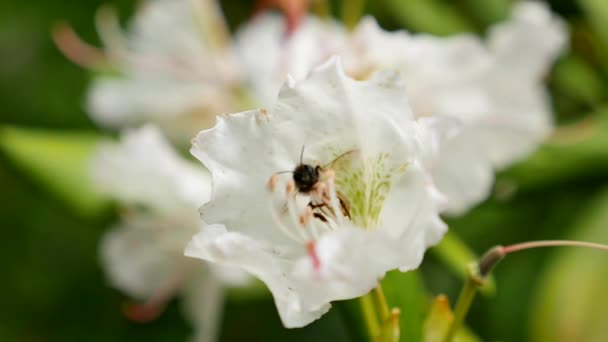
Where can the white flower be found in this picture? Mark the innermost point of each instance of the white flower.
(169, 71)
(143, 254)
(372, 209)
(267, 54)
(495, 88)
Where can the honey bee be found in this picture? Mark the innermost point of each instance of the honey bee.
(307, 178)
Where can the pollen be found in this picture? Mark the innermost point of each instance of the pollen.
(272, 182)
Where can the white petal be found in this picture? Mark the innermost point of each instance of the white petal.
(168, 75)
(270, 264)
(134, 262)
(384, 181)
(143, 169)
(203, 303)
(527, 44)
(268, 55)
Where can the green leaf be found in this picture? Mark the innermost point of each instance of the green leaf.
(574, 153)
(438, 322)
(58, 161)
(489, 12)
(596, 12)
(405, 290)
(432, 16)
(574, 77)
(455, 254)
(353, 315)
(571, 302)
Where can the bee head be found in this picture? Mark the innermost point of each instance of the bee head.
(305, 176)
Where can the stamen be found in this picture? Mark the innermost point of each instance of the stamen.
(76, 50)
(110, 32)
(156, 304)
(277, 220)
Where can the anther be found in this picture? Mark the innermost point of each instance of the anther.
(305, 216)
(272, 182)
(290, 187)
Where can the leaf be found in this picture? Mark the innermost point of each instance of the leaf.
(597, 14)
(574, 153)
(489, 12)
(438, 322)
(352, 312)
(574, 77)
(405, 290)
(455, 254)
(432, 16)
(571, 302)
(58, 161)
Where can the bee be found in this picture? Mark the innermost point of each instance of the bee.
(307, 178)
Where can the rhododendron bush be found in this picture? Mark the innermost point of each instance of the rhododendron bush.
(297, 170)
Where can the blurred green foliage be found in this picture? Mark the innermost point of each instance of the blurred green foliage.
(53, 288)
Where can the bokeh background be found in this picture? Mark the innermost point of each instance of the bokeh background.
(52, 287)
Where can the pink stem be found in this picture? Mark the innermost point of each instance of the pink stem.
(552, 243)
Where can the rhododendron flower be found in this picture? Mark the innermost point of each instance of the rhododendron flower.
(170, 70)
(493, 86)
(359, 204)
(143, 254)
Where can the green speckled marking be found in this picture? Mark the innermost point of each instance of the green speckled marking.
(365, 185)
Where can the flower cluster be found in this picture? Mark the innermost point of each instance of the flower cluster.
(159, 193)
(493, 87)
(323, 191)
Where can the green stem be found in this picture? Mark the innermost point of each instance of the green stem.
(464, 302)
(381, 305)
(370, 316)
(381, 323)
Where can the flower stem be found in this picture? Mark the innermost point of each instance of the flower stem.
(480, 270)
(465, 299)
(370, 316)
(381, 305)
(382, 324)
(552, 243)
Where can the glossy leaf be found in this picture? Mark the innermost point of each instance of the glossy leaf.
(58, 161)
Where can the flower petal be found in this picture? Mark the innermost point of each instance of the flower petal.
(143, 169)
(214, 243)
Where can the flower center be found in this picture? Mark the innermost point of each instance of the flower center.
(306, 210)
(366, 182)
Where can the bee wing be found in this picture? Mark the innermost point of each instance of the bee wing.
(341, 160)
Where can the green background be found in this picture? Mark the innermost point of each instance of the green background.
(53, 289)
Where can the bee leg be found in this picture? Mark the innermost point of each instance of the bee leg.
(320, 217)
(344, 207)
(315, 206)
